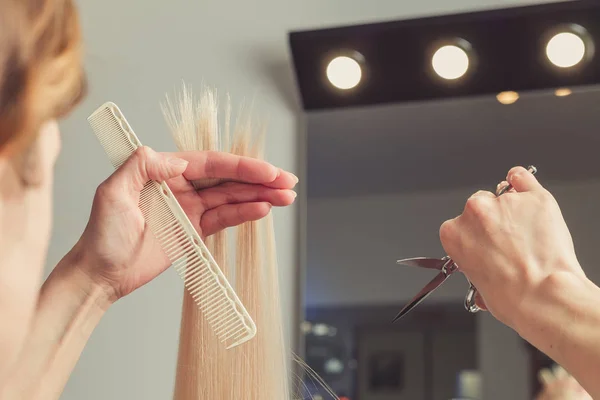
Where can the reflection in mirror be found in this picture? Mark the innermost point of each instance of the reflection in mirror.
(381, 180)
(396, 143)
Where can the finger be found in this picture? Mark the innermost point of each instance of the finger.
(483, 193)
(523, 180)
(546, 376)
(145, 164)
(215, 164)
(229, 215)
(560, 372)
(450, 237)
(233, 193)
(478, 203)
(480, 302)
(456, 237)
(503, 185)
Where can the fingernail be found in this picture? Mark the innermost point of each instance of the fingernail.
(295, 178)
(294, 194)
(178, 162)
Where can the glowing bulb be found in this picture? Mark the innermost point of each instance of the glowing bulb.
(565, 50)
(320, 329)
(450, 62)
(507, 97)
(562, 92)
(344, 72)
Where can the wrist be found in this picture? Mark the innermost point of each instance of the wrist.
(74, 269)
(547, 316)
(70, 307)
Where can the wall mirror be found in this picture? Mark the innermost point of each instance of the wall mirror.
(389, 161)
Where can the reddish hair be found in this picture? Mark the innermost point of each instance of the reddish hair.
(41, 68)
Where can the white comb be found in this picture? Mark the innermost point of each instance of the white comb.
(203, 278)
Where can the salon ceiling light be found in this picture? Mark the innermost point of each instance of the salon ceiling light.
(507, 97)
(450, 62)
(345, 72)
(565, 50)
(562, 92)
(569, 46)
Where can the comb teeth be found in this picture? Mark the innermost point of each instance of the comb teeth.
(216, 299)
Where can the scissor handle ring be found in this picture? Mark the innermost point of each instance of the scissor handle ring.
(470, 300)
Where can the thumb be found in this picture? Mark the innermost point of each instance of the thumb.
(523, 180)
(144, 165)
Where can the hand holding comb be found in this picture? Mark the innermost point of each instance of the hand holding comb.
(216, 299)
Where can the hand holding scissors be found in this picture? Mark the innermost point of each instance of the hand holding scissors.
(447, 267)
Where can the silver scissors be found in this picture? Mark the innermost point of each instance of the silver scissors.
(447, 267)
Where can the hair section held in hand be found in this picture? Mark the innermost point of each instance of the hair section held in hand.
(206, 370)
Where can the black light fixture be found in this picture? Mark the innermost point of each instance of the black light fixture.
(494, 52)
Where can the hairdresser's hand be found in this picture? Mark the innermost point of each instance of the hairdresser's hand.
(120, 253)
(509, 246)
(565, 388)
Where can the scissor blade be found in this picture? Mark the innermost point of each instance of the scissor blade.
(423, 262)
(426, 291)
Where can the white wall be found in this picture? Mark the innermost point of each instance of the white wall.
(138, 50)
(353, 243)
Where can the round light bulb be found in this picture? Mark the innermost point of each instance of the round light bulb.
(450, 62)
(344, 72)
(507, 97)
(565, 50)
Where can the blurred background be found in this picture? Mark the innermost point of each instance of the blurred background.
(376, 183)
(390, 159)
(356, 232)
